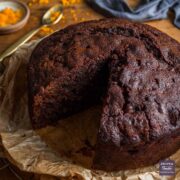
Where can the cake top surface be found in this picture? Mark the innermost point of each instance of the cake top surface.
(144, 79)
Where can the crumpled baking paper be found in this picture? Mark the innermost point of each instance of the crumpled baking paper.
(64, 150)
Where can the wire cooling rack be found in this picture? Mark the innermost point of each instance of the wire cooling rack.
(6, 166)
(10, 172)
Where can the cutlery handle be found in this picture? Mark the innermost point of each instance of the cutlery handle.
(18, 43)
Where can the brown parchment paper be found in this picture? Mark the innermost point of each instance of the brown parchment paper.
(64, 150)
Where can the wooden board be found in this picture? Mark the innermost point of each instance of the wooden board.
(72, 14)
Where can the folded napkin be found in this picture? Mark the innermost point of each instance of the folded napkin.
(146, 10)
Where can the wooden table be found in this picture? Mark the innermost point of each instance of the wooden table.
(81, 13)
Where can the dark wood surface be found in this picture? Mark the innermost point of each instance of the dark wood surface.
(72, 14)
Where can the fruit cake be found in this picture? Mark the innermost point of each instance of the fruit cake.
(133, 67)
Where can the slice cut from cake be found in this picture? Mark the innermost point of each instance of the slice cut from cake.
(134, 67)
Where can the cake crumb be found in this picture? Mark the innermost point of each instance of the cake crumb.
(40, 2)
(44, 31)
(71, 2)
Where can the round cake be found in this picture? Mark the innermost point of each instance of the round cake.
(133, 67)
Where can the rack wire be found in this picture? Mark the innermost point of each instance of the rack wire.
(6, 165)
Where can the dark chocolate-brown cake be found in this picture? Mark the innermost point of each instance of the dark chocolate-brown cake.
(137, 70)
